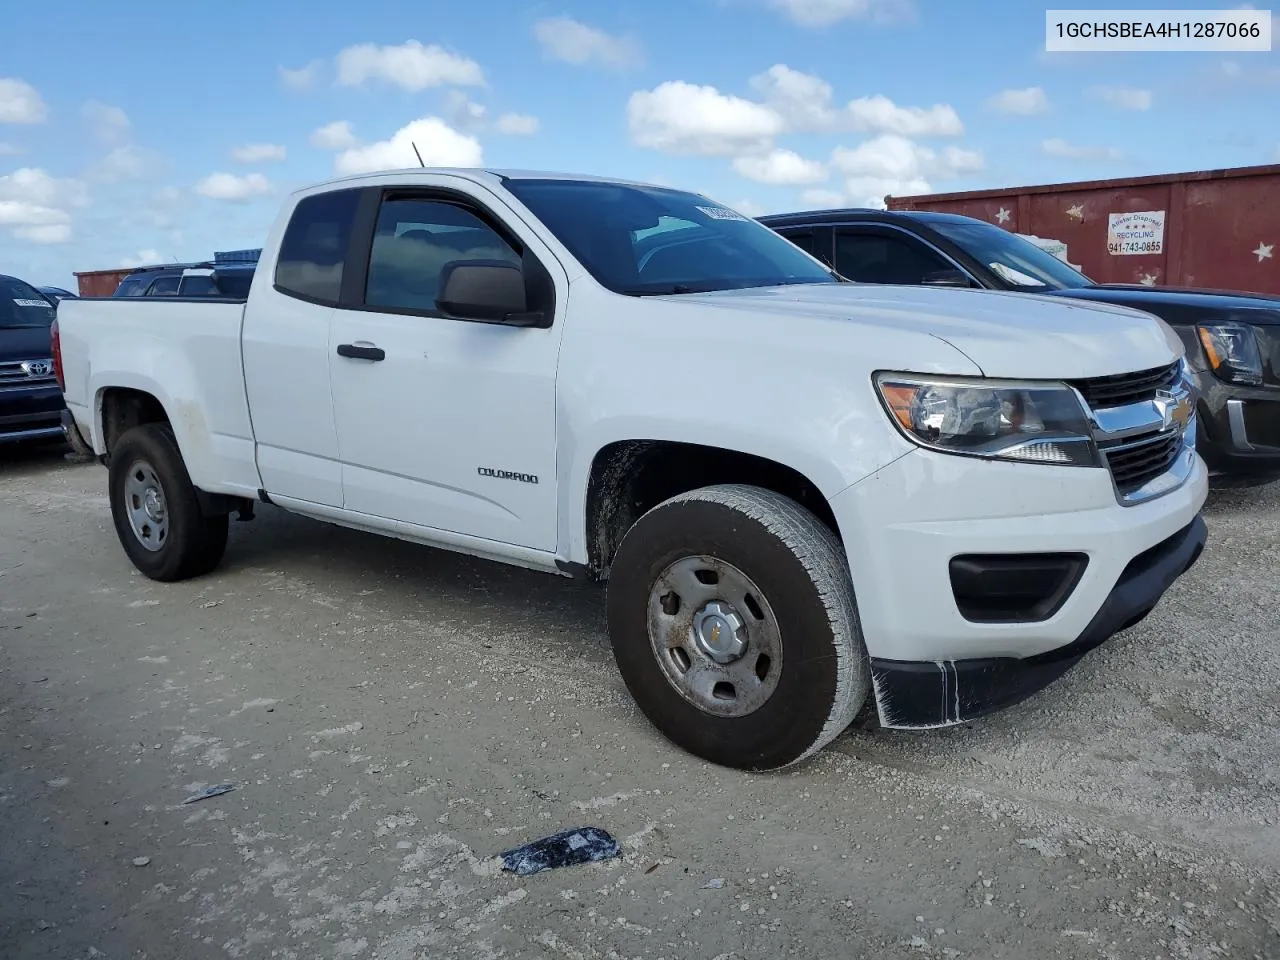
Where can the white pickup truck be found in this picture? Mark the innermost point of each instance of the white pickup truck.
(803, 492)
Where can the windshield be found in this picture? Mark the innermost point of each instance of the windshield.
(644, 241)
(22, 305)
(1018, 262)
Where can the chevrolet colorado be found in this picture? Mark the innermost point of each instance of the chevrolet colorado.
(1232, 339)
(804, 494)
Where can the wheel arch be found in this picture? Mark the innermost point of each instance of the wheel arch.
(626, 478)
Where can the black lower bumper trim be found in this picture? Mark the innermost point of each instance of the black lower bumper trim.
(935, 694)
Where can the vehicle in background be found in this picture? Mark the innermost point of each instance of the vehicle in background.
(206, 279)
(636, 384)
(57, 293)
(1232, 339)
(31, 404)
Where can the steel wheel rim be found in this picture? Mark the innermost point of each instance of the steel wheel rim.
(687, 635)
(145, 506)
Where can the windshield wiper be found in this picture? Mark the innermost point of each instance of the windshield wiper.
(673, 290)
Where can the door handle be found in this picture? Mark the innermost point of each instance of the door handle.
(361, 351)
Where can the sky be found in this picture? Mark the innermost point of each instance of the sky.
(154, 132)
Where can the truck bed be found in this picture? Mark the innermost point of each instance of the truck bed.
(183, 351)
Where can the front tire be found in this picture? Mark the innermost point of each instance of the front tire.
(156, 512)
(734, 625)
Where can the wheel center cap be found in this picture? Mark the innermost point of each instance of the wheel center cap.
(720, 632)
(152, 504)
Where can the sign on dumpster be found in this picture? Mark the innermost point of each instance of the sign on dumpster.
(1135, 234)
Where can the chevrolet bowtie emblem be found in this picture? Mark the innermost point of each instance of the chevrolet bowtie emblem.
(1173, 409)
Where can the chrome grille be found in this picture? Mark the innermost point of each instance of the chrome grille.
(1123, 389)
(12, 374)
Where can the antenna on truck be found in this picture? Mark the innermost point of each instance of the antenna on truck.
(416, 153)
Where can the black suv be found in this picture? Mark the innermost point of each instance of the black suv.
(188, 280)
(31, 403)
(1232, 339)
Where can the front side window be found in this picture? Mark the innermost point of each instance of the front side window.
(414, 240)
(22, 305)
(314, 247)
(165, 287)
(1020, 263)
(876, 258)
(645, 241)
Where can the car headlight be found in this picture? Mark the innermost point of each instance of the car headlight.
(1232, 350)
(995, 419)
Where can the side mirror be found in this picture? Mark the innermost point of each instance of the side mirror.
(945, 278)
(488, 290)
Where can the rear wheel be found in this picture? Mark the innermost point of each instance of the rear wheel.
(734, 626)
(156, 512)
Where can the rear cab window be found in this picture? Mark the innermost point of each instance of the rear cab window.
(314, 248)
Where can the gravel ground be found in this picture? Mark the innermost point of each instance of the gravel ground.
(394, 716)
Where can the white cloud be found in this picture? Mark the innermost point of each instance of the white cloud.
(1123, 98)
(34, 205)
(822, 13)
(780, 167)
(46, 234)
(110, 125)
(334, 136)
(871, 191)
(410, 66)
(22, 213)
(143, 258)
(879, 114)
(1057, 147)
(302, 78)
(517, 124)
(9, 150)
(819, 199)
(1024, 102)
(893, 157)
(463, 113)
(684, 118)
(439, 144)
(803, 99)
(228, 186)
(748, 208)
(125, 163)
(20, 102)
(34, 186)
(571, 41)
(259, 153)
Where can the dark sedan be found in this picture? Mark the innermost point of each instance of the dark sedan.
(1232, 339)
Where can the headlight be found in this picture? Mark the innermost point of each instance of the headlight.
(1000, 420)
(1233, 352)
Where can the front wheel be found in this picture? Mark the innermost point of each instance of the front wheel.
(733, 623)
(156, 512)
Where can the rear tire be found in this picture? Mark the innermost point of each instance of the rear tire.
(156, 512)
(734, 625)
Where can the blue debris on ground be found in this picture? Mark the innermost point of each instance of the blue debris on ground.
(565, 849)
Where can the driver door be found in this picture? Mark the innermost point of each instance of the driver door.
(444, 423)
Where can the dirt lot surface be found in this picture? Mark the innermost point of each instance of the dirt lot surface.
(394, 716)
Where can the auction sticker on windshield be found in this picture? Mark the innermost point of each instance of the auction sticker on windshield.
(1131, 234)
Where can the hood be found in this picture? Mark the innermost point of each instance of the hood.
(1179, 305)
(1014, 335)
(25, 343)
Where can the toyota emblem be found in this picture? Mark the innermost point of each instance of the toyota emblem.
(37, 368)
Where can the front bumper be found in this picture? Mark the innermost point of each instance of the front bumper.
(904, 525)
(30, 413)
(937, 694)
(1239, 429)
